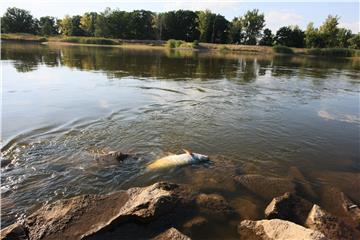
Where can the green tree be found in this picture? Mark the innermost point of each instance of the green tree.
(354, 41)
(235, 31)
(267, 38)
(330, 31)
(290, 36)
(47, 26)
(16, 20)
(212, 27)
(343, 37)
(102, 25)
(141, 25)
(158, 25)
(70, 26)
(252, 23)
(88, 22)
(204, 26)
(313, 38)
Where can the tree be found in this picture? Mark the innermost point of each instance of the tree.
(267, 38)
(88, 22)
(102, 26)
(343, 37)
(204, 26)
(330, 31)
(17, 20)
(212, 27)
(47, 26)
(290, 36)
(70, 26)
(354, 41)
(313, 38)
(235, 31)
(141, 25)
(158, 25)
(252, 23)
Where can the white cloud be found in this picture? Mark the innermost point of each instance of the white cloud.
(353, 26)
(276, 19)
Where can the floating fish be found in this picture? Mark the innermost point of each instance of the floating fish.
(177, 160)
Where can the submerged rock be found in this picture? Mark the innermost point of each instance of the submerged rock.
(265, 187)
(331, 226)
(172, 234)
(340, 204)
(276, 229)
(289, 207)
(214, 205)
(112, 156)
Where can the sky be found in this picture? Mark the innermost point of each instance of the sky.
(277, 13)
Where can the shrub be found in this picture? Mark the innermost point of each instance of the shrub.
(224, 49)
(332, 52)
(172, 43)
(195, 43)
(282, 49)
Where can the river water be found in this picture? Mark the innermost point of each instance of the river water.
(251, 113)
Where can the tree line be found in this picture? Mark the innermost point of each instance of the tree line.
(203, 26)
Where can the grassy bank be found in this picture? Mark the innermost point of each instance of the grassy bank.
(91, 40)
(24, 37)
(333, 52)
(182, 45)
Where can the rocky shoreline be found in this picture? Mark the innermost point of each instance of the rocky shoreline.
(170, 211)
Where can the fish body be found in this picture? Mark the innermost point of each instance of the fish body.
(177, 160)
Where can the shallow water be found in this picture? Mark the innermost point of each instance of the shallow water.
(250, 113)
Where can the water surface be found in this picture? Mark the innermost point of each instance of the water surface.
(255, 114)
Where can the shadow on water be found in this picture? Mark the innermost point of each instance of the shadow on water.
(275, 116)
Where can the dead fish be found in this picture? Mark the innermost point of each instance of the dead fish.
(177, 160)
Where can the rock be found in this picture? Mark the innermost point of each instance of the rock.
(136, 213)
(276, 229)
(340, 204)
(214, 205)
(246, 208)
(195, 222)
(265, 187)
(112, 156)
(303, 185)
(14, 231)
(4, 162)
(331, 226)
(172, 234)
(289, 207)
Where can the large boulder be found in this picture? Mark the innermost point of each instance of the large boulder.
(332, 227)
(289, 207)
(265, 187)
(276, 229)
(135, 213)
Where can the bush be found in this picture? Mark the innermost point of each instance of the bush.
(172, 43)
(90, 40)
(224, 49)
(282, 49)
(195, 44)
(332, 52)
